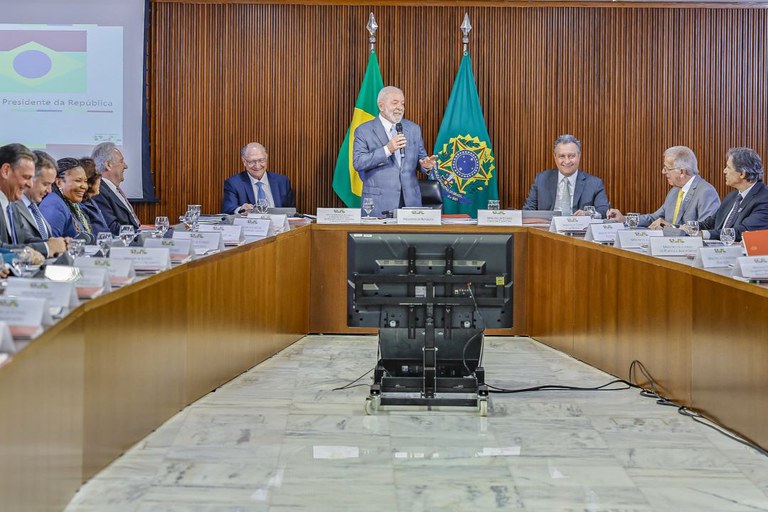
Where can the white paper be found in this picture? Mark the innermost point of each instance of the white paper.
(254, 228)
(146, 259)
(499, 218)
(603, 233)
(717, 257)
(635, 238)
(181, 250)
(231, 234)
(572, 224)
(204, 243)
(121, 271)
(673, 246)
(58, 294)
(92, 283)
(751, 267)
(339, 215)
(419, 217)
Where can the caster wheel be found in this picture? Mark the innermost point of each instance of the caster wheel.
(482, 407)
(371, 405)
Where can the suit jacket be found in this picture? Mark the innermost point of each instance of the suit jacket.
(96, 218)
(589, 190)
(238, 190)
(112, 208)
(382, 179)
(751, 215)
(27, 231)
(61, 218)
(700, 202)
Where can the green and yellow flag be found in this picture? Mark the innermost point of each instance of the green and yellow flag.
(466, 166)
(346, 181)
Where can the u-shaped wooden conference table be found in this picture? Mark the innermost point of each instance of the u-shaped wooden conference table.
(120, 365)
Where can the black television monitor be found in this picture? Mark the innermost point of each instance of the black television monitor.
(398, 280)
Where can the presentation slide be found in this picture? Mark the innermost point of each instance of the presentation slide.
(71, 77)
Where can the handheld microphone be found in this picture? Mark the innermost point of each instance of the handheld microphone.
(399, 130)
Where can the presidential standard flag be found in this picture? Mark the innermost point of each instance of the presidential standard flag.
(346, 181)
(466, 166)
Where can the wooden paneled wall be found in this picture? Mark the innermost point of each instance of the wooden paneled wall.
(629, 81)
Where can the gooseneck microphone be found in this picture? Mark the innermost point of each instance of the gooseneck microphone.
(399, 130)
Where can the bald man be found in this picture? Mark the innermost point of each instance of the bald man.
(242, 190)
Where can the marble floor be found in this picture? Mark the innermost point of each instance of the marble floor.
(279, 438)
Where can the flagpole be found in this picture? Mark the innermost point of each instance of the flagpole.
(466, 28)
(372, 27)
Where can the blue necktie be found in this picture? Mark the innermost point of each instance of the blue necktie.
(41, 227)
(260, 194)
(9, 211)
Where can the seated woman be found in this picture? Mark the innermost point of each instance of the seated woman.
(61, 208)
(92, 211)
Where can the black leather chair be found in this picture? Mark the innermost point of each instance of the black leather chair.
(430, 194)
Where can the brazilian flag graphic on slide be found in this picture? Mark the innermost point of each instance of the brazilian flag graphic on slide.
(346, 181)
(43, 61)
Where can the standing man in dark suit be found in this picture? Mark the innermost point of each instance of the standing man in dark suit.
(242, 190)
(567, 188)
(746, 208)
(387, 152)
(31, 227)
(691, 197)
(111, 200)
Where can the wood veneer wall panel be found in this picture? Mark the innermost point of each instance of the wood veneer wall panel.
(629, 81)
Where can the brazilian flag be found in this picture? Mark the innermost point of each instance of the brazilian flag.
(346, 181)
(466, 166)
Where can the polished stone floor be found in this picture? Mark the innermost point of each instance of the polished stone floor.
(279, 438)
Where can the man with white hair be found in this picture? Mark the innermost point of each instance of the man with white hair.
(386, 153)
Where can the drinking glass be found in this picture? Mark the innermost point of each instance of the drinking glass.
(194, 215)
(493, 204)
(161, 226)
(22, 261)
(693, 227)
(261, 206)
(728, 236)
(590, 210)
(368, 206)
(127, 234)
(104, 241)
(633, 219)
(76, 248)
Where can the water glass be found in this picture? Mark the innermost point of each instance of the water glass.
(193, 211)
(104, 241)
(493, 204)
(368, 206)
(76, 248)
(161, 226)
(728, 236)
(633, 219)
(590, 211)
(22, 261)
(693, 227)
(261, 206)
(127, 234)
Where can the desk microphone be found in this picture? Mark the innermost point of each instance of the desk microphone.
(399, 130)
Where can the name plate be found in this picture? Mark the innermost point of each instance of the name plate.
(499, 218)
(339, 216)
(120, 271)
(203, 243)
(419, 217)
(230, 234)
(635, 238)
(25, 316)
(572, 224)
(181, 250)
(144, 259)
(280, 222)
(255, 228)
(7, 346)
(717, 257)
(58, 295)
(603, 233)
(92, 283)
(751, 267)
(671, 246)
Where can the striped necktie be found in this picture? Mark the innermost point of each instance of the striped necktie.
(730, 220)
(41, 227)
(130, 208)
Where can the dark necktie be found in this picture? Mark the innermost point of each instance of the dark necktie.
(11, 226)
(730, 220)
(130, 208)
(41, 227)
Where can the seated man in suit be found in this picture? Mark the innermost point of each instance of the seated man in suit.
(387, 151)
(567, 188)
(242, 190)
(30, 225)
(112, 201)
(691, 198)
(746, 208)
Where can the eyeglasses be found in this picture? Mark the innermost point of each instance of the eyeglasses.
(254, 162)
